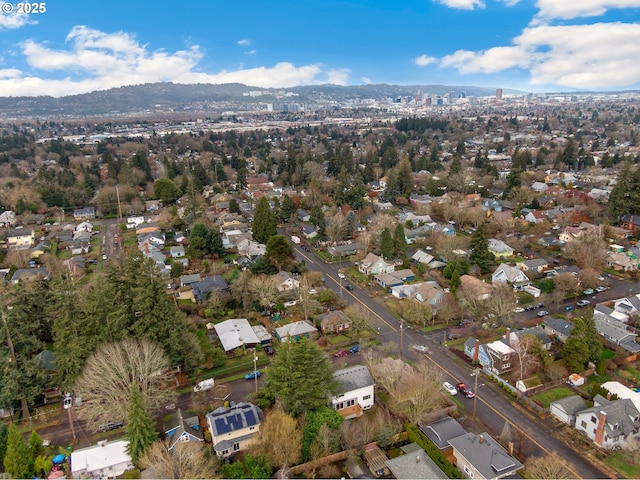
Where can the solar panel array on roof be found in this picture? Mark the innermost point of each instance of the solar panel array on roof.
(235, 421)
(222, 426)
(251, 418)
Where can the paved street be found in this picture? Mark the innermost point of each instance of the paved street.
(492, 409)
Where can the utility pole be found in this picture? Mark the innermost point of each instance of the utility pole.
(401, 335)
(119, 206)
(68, 403)
(476, 373)
(255, 369)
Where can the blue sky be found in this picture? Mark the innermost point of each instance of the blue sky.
(532, 45)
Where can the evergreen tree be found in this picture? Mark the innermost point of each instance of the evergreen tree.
(264, 222)
(575, 354)
(3, 441)
(35, 444)
(166, 190)
(480, 254)
(514, 180)
(234, 207)
(18, 462)
(280, 251)
(404, 178)
(585, 328)
(386, 244)
(287, 208)
(621, 200)
(319, 221)
(455, 282)
(139, 431)
(214, 243)
(399, 242)
(301, 377)
(456, 166)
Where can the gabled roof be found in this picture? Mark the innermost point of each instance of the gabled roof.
(499, 246)
(558, 324)
(180, 426)
(295, 329)
(485, 454)
(224, 420)
(442, 431)
(422, 257)
(622, 417)
(353, 378)
(570, 405)
(235, 332)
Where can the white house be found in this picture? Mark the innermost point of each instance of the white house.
(104, 460)
(373, 264)
(84, 227)
(133, 222)
(356, 391)
(285, 281)
(508, 274)
(235, 332)
(610, 424)
(566, 408)
(499, 248)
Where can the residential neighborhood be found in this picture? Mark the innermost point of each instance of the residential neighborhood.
(398, 296)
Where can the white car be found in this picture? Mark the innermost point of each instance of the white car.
(518, 310)
(449, 388)
(341, 275)
(313, 291)
(104, 257)
(583, 303)
(420, 348)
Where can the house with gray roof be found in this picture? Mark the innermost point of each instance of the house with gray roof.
(480, 456)
(236, 332)
(344, 250)
(610, 424)
(234, 428)
(508, 274)
(204, 287)
(534, 265)
(186, 280)
(422, 257)
(616, 333)
(499, 248)
(566, 408)
(295, 330)
(183, 429)
(27, 273)
(415, 463)
(356, 391)
(557, 328)
(442, 431)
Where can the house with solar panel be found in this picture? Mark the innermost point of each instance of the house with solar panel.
(234, 428)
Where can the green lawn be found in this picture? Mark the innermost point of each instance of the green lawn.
(545, 398)
(633, 373)
(619, 462)
(607, 354)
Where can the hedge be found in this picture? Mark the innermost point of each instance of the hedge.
(415, 435)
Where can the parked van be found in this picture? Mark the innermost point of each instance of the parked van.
(204, 385)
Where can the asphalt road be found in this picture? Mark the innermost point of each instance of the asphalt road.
(493, 409)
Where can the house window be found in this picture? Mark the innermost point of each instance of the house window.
(593, 419)
(236, 447)
(351, 403)
(506, 365)
(468, 471)
(366, 397)
(252, 428)
(583, 424)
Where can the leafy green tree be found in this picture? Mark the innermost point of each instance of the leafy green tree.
(318, 219)
(585, 328)
(301, 377)
(480, 254)
(166, 190)
(18, 462)
(35, 444)
(23, 334)
(264, 222)
(3, 441)
(575, 353)
(457, 265)
(263, 265)
(280, 251)
(455, 282)
(386, 244)
(250, 467)
(139, 431)
(234, 206)
(399, 242)
(287, 208)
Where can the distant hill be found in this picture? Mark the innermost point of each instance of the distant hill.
(162, 97)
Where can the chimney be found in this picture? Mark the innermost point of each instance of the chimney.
(511, 448)
(417, 458)
(507, 336)
(481, 439)
(599, 438)
(476, 351)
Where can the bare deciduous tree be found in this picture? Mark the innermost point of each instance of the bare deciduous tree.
(547, 467)
(265, 290)
(186, 460)
(502, 304)
(105, 381)
(280, 440)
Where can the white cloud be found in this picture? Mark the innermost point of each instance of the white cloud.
(338, 76)
(462, 4)
(578, 56)
(251, 52)
(244, 42)
(13, 20)
(424, 60)
(510, 3)
(366, 80)
(567, 9)
(95, 60)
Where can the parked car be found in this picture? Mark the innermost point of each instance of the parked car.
(538, 305)
(204, 385)
(268, 349)
(600, 289)
(104, 257)
(542, 313)
(450, 388)
(349, 287)
(452, 336)
(342, 275)
(465, 390)
(313, 291)
(341, 353)
(588, 291)
(518, 310)
(420, 348)
(568, 308)
(528, 308)
(252, 375)
(110, 426)
(354, 349)
(583, 303)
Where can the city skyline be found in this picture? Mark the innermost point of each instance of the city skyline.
(76, 47)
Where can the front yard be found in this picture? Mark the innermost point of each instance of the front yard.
(545, 398)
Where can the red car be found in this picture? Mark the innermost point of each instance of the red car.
(341, 353)
(465, 390)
